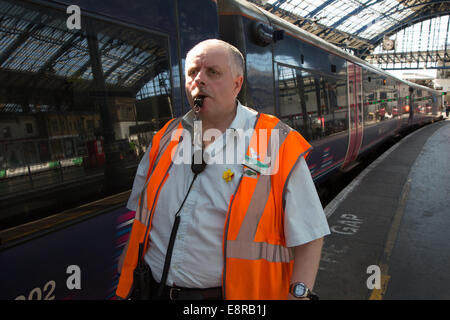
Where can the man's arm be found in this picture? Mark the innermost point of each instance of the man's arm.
(306, 264)
(305, 224)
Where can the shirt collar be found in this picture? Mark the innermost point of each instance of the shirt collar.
(239, 120)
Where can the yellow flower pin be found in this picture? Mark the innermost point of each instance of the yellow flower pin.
(228, 175)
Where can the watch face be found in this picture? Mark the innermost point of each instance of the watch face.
(299, 290)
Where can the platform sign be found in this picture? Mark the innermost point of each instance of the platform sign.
(77, 262)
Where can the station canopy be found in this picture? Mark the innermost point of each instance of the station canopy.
(356, 25)
(44, 63)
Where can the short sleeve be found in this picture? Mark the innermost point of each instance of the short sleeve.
(304, 218)
(139, 180)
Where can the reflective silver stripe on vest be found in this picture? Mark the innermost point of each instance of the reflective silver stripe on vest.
(143, 213)
(261, 193)
(258, 250)
(165, 140)
(244, 246)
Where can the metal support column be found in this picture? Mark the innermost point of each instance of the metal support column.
(115, 172)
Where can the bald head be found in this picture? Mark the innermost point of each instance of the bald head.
(236, 59)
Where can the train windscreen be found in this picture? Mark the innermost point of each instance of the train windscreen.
(69, 95)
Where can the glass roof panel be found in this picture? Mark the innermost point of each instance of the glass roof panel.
(300, 8)
(354, 22)
(365, 18)
(72, 59)
(423, 45)
(336, 12)
(36, 42)
(428, 35)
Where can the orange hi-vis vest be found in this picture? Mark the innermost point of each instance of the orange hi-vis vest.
(257, 263)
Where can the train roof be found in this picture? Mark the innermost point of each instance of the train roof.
(253, 12)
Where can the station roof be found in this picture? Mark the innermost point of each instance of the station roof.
(358, 25)
(40, 56)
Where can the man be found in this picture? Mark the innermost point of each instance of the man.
(252, 226)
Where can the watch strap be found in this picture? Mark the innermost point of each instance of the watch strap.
(312, 295)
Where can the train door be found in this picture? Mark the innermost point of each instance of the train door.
(354, 85)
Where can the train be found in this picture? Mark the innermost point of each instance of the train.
(77, 59)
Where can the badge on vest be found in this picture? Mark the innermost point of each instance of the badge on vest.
(250, 172)
(255, 166)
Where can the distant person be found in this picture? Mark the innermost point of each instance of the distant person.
(245, 232)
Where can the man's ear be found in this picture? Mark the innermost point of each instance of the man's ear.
(238, 81)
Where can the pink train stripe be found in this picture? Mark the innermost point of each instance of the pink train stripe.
(327, 159)
(126, 216)
(122, 239)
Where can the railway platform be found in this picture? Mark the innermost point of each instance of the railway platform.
(389, 228)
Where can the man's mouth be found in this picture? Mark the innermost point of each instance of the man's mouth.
(201, 96)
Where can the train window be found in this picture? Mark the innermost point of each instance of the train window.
(380, 100)
(392, 110)
(65, 88)
(312, 104)
(404, 102)
(326, 107)
(369, 90)
(311, 90)
(291, 103)
(332, 106)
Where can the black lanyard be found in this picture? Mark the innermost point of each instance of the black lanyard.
(197, 169)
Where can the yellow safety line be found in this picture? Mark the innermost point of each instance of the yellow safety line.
(377, 294)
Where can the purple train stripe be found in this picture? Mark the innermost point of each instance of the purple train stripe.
(122, 239)
(126, 216)
(123, 228)
(327, 159)
(330, 166)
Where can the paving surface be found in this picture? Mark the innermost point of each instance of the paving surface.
(390, 237)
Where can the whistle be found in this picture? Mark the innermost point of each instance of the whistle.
(198, 163)
(198, 101)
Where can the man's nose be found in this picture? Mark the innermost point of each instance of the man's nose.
(200, 78)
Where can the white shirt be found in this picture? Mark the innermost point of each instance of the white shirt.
(197, 259)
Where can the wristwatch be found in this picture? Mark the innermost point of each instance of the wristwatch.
(300, 290)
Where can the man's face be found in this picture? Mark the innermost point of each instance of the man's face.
(209, 74)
